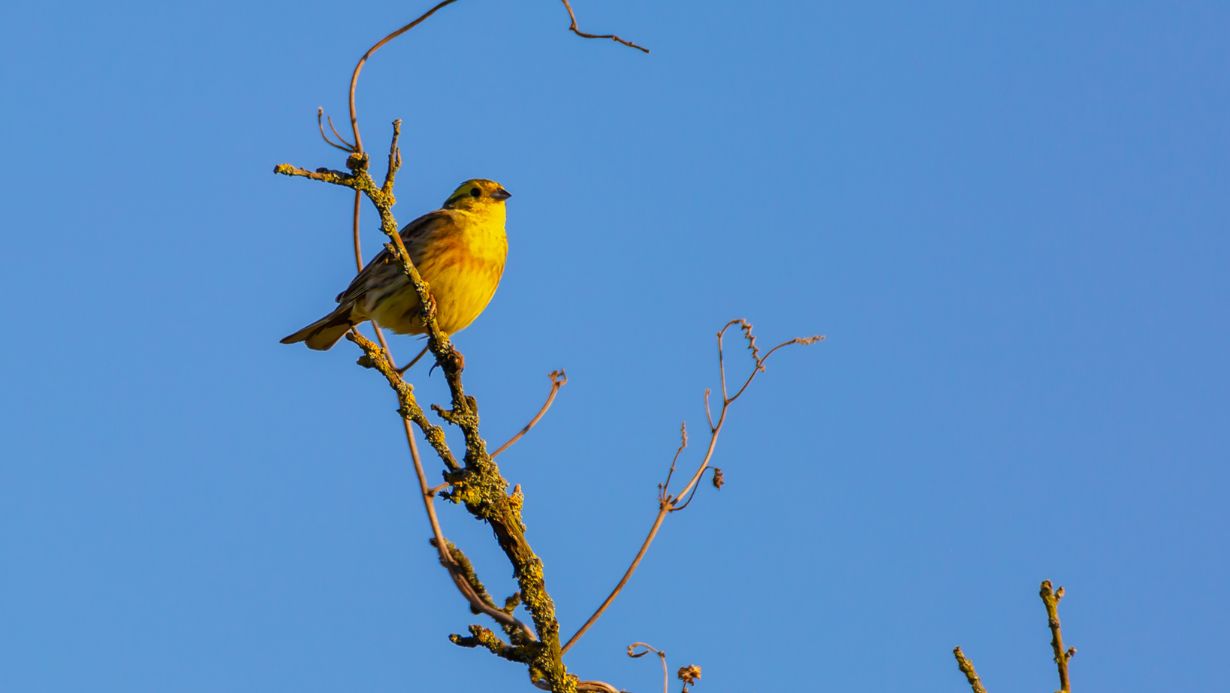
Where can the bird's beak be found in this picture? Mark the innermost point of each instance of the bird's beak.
(501, 194)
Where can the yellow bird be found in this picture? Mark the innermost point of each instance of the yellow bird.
(460, 251)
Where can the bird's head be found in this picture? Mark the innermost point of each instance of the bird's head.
(478, 195)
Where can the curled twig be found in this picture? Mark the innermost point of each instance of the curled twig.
(646, 648)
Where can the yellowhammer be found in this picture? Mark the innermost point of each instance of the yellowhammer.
(459, 250)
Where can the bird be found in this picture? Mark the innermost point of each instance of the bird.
(459, 249)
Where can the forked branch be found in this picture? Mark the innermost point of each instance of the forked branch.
(668, 502)
(1051, 598)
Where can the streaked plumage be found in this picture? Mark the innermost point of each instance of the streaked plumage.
(460, 251)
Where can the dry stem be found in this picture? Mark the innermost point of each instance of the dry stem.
(572, 26)
(558, 380)
(668, 503)
(967, 668)
(1051, 597)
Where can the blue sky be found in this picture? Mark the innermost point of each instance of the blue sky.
(1012, 223)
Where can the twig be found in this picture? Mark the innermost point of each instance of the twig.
(967, 668)
(683, 444)
(647, 648)
(1051, 598)
(558, 380)
(320, 123)
(668, 503)
(483, 637)
(354, 76)
(572, 26)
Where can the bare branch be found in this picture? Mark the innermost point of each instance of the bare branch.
(558, 380)
(636, 561)
(482, 637)
(354, 76)
(410, 408)
(323, 175)
(1051, 598)
(572, 26)
(683, 444)
(967, 668)
(668, 503)
(394, 163)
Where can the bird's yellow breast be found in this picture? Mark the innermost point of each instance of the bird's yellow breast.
(462, 262)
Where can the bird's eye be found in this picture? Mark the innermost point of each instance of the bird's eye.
(475, 192)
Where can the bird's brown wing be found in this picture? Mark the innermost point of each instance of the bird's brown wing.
(411, 235)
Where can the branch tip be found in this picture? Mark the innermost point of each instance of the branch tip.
(572, 26)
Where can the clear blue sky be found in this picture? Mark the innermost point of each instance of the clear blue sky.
(1013, 224)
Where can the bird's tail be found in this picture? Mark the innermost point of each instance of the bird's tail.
(325, 332)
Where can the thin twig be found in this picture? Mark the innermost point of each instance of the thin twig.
(394, 163)
(320, 123)
(572, 26)
(683, 444)
(354, 76)
(967, 668)
(558, 380)
(668, 503)
(337, 134)
(666, 676)
(1051, 598)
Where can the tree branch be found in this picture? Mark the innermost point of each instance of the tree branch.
(668, 503)
(1051, 598)
(967, 668)
(572, 26)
